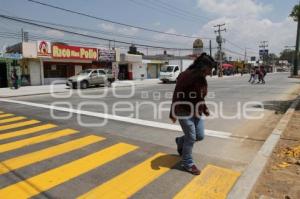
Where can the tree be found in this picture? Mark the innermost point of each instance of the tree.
(271, 58)
(295, 14)
(288, 55)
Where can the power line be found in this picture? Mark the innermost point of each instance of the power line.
(94, 31)
(20, 20)
(180, 9)
(110, 21)
(166, 10)
(84, 35)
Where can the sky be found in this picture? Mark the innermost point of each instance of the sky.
(247, 22)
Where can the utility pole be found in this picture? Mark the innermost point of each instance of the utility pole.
(220, 41)
(296, 61)
(22, 34)
(245, 60)
(210, 48)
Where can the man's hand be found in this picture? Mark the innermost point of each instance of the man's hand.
(206, 113)
(173, 119)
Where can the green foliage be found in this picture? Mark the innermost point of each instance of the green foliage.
(295, 14)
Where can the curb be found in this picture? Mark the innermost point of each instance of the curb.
(45, 93)
(247, 181)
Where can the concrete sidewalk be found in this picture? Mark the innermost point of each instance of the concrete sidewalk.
(61, 88)
(246, 186)
(281, 177)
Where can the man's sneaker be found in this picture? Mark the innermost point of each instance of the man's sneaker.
(193, 169)
(179, 150)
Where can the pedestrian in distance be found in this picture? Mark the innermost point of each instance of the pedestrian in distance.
(256, 75)
(14, 78)
(262, 75)
(252, 74)
(188, 107)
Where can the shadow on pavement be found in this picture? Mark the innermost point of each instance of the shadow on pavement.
(280, 107)
(164, 161)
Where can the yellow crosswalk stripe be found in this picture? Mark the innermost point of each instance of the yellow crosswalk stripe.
(26, 131)
(34, 140)
(6, 115)
(49, 179)
(27, 159)
(131, 181)
(213, 183)
(13, 119)
(17, 125)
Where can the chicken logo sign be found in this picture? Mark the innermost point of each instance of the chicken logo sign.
(44, 49)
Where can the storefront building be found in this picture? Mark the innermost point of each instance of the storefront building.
(47, 62)
(131, 67)
(8, 63)
(153, 67)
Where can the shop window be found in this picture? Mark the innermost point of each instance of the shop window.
(55, 71)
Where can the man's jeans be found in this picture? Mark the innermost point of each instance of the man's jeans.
(193, 129)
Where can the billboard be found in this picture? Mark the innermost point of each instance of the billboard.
(107, 55)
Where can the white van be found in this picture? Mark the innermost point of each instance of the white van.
(169, 73)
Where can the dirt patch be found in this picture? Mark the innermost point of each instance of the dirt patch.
(281, 177)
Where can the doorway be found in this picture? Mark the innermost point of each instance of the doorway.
(123, 72)
(3, 75)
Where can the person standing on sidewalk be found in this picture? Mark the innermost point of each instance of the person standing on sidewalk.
(14, 78)
(188, 106)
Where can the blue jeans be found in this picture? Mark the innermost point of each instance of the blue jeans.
(193, 129)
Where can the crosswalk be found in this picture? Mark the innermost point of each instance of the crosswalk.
(213, 183)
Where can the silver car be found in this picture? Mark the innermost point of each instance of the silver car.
(90, 77)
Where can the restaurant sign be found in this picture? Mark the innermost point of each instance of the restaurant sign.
(43, 49)
(74, 52)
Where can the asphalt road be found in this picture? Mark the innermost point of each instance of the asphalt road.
(151, 132)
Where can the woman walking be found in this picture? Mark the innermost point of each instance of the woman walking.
(188, 106)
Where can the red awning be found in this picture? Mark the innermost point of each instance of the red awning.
(226, 66)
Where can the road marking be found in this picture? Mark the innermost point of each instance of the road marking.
(34, 140)
(19, 124)
(131, 181)
(13, 119)
(26, 131)
(6, 115)
(30, 158)
(213, 183)
(135, 121)
(49, 179)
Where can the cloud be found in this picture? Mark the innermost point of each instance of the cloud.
(54, 33)
(245, 25)
(172, 39)
(123, 30)
(107, 27)
(234, 7)
(249, 32)
(157, 23)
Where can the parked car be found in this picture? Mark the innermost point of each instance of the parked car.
(90, 77)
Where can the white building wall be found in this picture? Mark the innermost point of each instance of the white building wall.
(139, 69)
(35, 72)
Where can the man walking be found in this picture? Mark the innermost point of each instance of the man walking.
(188, 106)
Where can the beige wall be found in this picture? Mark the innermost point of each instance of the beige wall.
(35, 72)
